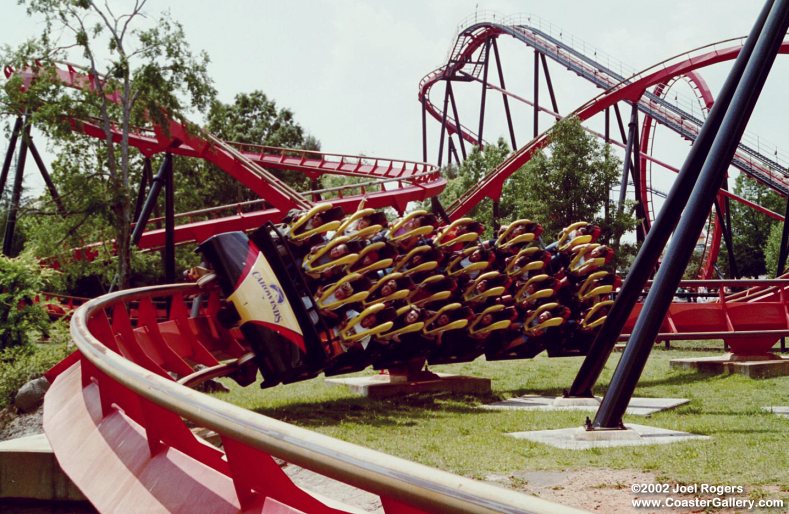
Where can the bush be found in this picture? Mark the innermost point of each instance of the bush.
(21, 318)
(20, 364)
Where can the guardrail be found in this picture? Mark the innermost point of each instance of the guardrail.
(107, 394)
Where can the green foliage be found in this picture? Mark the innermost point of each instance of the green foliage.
(478, 164)
(571, 181)
(772, 249)
(150, 73)
(751, 229)
(21, 364)
(254, 119)
(21, 318)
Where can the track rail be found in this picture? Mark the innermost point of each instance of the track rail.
(117, 414)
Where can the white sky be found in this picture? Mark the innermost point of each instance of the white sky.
(350, 69)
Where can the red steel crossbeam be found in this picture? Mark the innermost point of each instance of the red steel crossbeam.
(750, 322)
(117, 422)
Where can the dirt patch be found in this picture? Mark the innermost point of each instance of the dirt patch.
(13, 425)
(603, 490)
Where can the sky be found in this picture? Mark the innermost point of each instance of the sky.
(350, 69)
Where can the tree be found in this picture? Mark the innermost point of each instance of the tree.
(478, 164)
(571, 181)
(750, 228)
(147, 74)
(254, 119)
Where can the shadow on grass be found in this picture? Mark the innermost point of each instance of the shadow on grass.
(404, 410)
(601, 389)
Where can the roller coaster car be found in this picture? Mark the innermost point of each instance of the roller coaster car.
(404, 342)
(470, 262)
(543, 329)
(585, 331)
(355, 337)
(487, 286)
(527, 262)
(320, 219)
(589, 258)
(336, 253)
(274, 306)
(458, 234)
(406, 231)
(373, 257)
(538, 290)
(448, 327)
(390, 288)
(362, 225)
(518, 234)
(350, 289)
(437, 288)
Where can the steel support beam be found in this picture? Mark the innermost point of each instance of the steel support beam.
(504, 96)
(150, 202)
(549, 83)
(457, 120)
(42, 168)
(169, 222)
(536, 93)
(661, 230)
(484, 93)
(757, 66)
(424, 128)
(16, 193)
(444, 130)
(145, 180)
(9, 155)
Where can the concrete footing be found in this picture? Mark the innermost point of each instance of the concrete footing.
(29, 471)
(777, 409)
(383, 386)
(577, 438)
(637, 406)
(753, 366)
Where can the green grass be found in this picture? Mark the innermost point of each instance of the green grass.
(748, 446)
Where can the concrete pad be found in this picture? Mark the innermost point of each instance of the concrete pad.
(577, 438)
(637, 406)
(759, 366)
(776, 409)
(382, 386)
(29, 470)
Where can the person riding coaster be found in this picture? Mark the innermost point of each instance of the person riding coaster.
(493, 318)
(349, 289)
(375, 257)
(527, 263)
(470, 262)
(339, 252)
(448, 327)
(589, 258)
(542, 329)
(487, 286)
(581, 232)
(362, 224)
(537, 290)
(404, 342)
(320, 219)
(458, 235)
(406, 232)
(598, 286)
(583, 331)
(349, 344)
(419, 261)
(390, 288)
(437, 288)
(518, 234)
